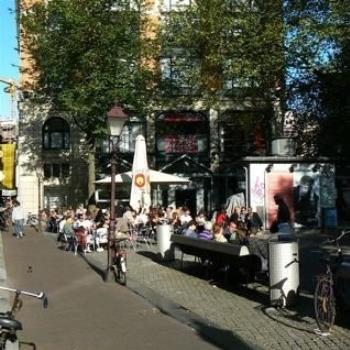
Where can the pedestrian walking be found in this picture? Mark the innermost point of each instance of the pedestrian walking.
(18, 219)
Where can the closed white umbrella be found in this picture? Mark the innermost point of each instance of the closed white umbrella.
(140, 195)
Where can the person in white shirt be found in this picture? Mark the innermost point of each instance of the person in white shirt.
(186, 217)
(18, 220)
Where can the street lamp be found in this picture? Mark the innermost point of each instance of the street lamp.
(40, 175)
(116, 119)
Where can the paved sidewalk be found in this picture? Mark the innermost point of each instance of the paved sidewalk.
(234, 318)
(84, 312)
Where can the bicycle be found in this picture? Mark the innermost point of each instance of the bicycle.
(330, 287)
(8, 323)
(119, 265)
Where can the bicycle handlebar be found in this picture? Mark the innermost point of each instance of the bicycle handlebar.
(40, 295)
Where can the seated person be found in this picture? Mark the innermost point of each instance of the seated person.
(218, 233)
(206, 233)
(221, 217)
(83, 238)
(233, 234)
(254, 222)
(191, 230)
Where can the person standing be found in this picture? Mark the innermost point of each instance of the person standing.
(18, 219)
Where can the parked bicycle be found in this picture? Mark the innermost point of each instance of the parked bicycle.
(331, 288)
(8, 323)
(120, 260)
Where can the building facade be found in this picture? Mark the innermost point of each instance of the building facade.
(189, 139)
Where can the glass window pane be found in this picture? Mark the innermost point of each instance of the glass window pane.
(65, 170)
(56, 170)
(47, 171)
(46, 140)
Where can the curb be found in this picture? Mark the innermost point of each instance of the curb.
(5, 296)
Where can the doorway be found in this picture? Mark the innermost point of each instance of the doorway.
(186, 198)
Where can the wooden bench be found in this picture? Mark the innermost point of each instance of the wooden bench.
(231, 256)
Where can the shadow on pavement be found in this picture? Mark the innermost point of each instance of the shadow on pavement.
(225, 339)
(299, 316)
(101, 271)
(209, 331)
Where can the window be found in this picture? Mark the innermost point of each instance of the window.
(56, 170)
(124, 5)
(174, 5)
(240, 5)
(237, 78)
(179, 133)
(134, 127)
(242, 134)
(179, 72)
(56, 134)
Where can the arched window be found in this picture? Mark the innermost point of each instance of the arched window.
(56, 134)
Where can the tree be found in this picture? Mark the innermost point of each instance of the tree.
(88, 56)
(227, 47)
(318, 73)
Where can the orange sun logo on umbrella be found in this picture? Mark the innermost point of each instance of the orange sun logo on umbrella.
(140, 180)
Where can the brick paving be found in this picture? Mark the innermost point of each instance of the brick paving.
(243, 312)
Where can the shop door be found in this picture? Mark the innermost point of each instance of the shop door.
(186, 198)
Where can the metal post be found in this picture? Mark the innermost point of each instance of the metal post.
(111, 231)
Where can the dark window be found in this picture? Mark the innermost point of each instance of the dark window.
(242, 134)
(56, 134)
(56, 170)
(134, 127)
(182, 133)
(65, 170)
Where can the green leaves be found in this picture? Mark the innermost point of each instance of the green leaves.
(88, 55)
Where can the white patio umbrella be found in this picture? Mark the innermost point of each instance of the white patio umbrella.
(156, 177)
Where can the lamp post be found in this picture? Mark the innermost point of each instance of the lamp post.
(40, 174)
(116, 119)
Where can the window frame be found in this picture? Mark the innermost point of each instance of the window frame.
(61, 170)
(55, 137)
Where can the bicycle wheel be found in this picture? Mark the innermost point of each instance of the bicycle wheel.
(324, 303)
(122, 277)
(122, 271)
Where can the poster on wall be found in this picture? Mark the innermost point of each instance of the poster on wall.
(257, 188)
(279, 184)
(306, 195)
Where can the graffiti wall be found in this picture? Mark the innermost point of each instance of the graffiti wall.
(257, 188)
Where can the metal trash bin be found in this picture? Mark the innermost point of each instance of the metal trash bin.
(164, 232)
(284, 272)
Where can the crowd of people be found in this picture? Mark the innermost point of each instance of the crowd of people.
(84, 222)
(89, 226)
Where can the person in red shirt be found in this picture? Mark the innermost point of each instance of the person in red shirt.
(221, 218)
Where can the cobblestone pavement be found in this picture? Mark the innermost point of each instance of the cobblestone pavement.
(242, 311)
